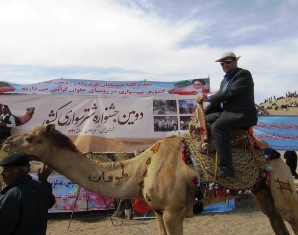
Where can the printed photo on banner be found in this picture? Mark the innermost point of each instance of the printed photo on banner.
(187, 106)
(191, 87)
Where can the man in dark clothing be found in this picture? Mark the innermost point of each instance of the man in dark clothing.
(7, 121)
(233, 107)
(24, 202)
(291, 161)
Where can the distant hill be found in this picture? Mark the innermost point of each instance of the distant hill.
(281, 106)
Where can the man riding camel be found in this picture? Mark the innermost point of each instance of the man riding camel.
(231, 108)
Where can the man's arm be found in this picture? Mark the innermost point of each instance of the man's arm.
(9, 212)
(12, 121)
(43, 175)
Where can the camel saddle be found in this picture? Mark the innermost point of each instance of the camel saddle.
(247, 154)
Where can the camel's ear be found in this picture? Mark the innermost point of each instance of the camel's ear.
(50, 128)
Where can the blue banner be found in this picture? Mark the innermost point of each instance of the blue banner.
(281, 132)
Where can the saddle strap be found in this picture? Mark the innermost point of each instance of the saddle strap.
(252, 143)
(203, 126)
(197, 170)
(215, 168)
(251, 133)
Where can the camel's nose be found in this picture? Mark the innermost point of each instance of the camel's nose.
(8, 141)
(6, 147)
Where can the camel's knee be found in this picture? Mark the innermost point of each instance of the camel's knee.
(288, 214)
(285, 213)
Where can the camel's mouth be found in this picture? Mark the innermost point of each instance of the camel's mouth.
(6, 147)
(3, 154)
(6, 150)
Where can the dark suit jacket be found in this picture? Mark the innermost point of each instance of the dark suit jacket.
(239, 104)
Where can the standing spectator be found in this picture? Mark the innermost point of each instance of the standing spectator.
(291, 161)
(7, 121)
(24, 202)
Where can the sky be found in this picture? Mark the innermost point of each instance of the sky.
(156, 40)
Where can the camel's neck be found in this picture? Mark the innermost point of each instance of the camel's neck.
(116, 179)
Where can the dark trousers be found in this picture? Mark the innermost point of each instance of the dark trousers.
(220, 128)
(4, 133)
(291, 161)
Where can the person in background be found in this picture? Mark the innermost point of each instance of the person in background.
(7, 121)
(291, 161)
(24, 202)
(233, 107)
(199, 86)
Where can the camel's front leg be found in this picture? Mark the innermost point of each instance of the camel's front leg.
(266, 203)
(170, 223)
(161, 225)
(173, 221)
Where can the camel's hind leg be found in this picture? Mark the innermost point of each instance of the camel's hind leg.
(266, 203)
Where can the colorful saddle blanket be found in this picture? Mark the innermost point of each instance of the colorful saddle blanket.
(247, 154)
(247, 164)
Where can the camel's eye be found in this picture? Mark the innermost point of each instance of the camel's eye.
(39, 141)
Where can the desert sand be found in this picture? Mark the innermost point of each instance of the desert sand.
(245, 219)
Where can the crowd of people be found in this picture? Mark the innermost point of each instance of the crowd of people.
(287, 95)
(290, 101)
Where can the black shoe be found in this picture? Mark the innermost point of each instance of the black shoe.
(222, 171)
(205, 152)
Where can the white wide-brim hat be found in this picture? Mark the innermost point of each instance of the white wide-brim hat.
(229, 54)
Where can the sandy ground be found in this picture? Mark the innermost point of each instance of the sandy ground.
(245, 219)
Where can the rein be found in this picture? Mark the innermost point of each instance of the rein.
(10, 146)
(74, 206)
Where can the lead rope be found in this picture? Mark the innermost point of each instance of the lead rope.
(203, 127)
(74, 206)
(107, 207)
(251, 143)
(215, 167)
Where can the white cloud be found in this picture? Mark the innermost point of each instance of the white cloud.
(103, 34)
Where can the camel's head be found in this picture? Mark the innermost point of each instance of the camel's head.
(30, 111)
(41, 143)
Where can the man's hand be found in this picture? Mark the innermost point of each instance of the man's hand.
(44, 173)
(201, 98)
(3, 124)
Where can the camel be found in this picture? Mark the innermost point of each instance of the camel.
(158, 175)
(21, 120)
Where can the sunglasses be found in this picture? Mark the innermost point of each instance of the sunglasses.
(226, 62)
